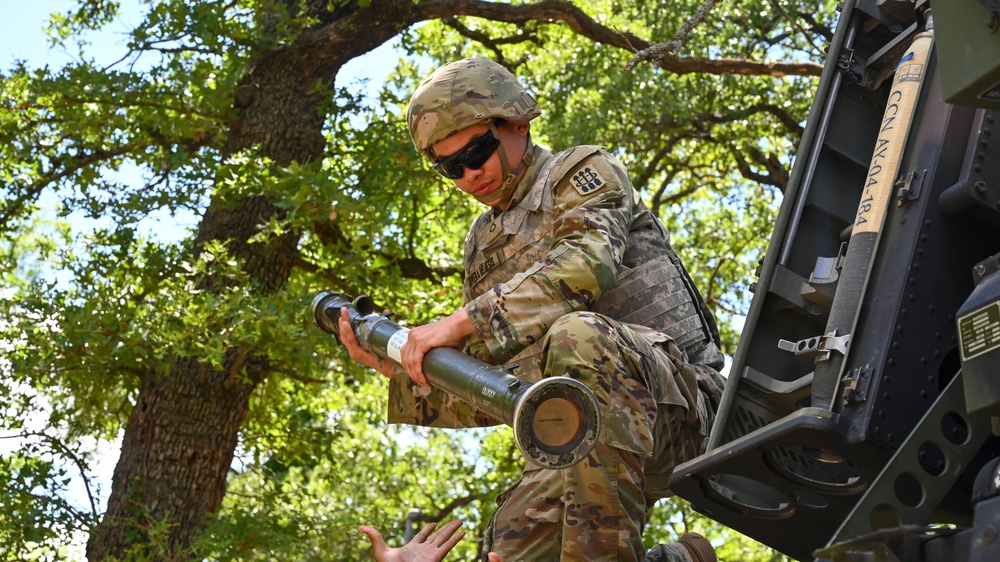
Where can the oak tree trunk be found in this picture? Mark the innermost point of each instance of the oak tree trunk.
(181, 435)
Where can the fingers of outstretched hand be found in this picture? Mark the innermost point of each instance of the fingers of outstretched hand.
(446, 538)
(375, 537)
(494, 557)
(425, 532)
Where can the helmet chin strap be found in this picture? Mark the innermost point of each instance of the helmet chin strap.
(506, 189)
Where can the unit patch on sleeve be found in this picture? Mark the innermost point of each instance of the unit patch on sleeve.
(587, 180)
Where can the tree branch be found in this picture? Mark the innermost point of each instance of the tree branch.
(798, 28)
(584, 25)
(776, 174)
(72, 165)
(410, 267)
(655, 52)
(450, 508)
(62, 448)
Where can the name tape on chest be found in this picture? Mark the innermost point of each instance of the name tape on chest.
(478, 270)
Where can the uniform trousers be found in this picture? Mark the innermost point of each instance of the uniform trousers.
(654, 417)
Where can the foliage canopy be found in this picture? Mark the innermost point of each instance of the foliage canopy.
(167, 218)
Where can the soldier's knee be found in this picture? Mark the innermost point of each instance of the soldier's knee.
(584, 339)
(579, 325)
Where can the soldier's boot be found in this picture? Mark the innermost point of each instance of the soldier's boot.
(691, 547)
(698, 547)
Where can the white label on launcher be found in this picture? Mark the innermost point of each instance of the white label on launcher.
(395, 345)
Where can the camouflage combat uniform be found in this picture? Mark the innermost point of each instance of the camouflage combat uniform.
(538, 278)
(577, 278)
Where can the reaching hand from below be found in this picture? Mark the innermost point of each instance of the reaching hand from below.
(426, 546)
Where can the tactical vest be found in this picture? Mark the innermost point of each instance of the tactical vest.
(652, 287)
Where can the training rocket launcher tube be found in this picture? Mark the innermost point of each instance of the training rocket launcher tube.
(556, 420)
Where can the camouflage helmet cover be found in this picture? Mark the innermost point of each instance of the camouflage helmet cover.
(462, 94)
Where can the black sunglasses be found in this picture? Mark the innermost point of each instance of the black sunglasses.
(472, 156)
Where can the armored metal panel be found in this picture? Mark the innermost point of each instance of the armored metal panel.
(979, 331)
(778, 469)
(969, 39)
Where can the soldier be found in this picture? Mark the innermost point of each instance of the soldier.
(567, 273)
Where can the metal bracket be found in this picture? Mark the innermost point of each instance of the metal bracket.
(886, 500)
(853, 390)
(847, 64)
(845, 58)
(827, 269)
(909, 188)
(817, 346)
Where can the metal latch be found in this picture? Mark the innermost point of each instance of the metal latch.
(817, 346)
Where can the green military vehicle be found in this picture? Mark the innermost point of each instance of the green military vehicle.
(859, 419)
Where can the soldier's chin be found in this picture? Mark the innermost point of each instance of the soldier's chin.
(489, 199)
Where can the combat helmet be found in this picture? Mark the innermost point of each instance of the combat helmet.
(465, 93)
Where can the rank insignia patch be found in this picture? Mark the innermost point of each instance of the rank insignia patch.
(587, 180)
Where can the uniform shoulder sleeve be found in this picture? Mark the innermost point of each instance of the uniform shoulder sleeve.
(587, 174)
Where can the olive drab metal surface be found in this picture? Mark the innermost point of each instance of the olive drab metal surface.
(970, 41)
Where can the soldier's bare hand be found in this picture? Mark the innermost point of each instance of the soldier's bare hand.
(447, 332)
(426, 546)
(356, 351)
